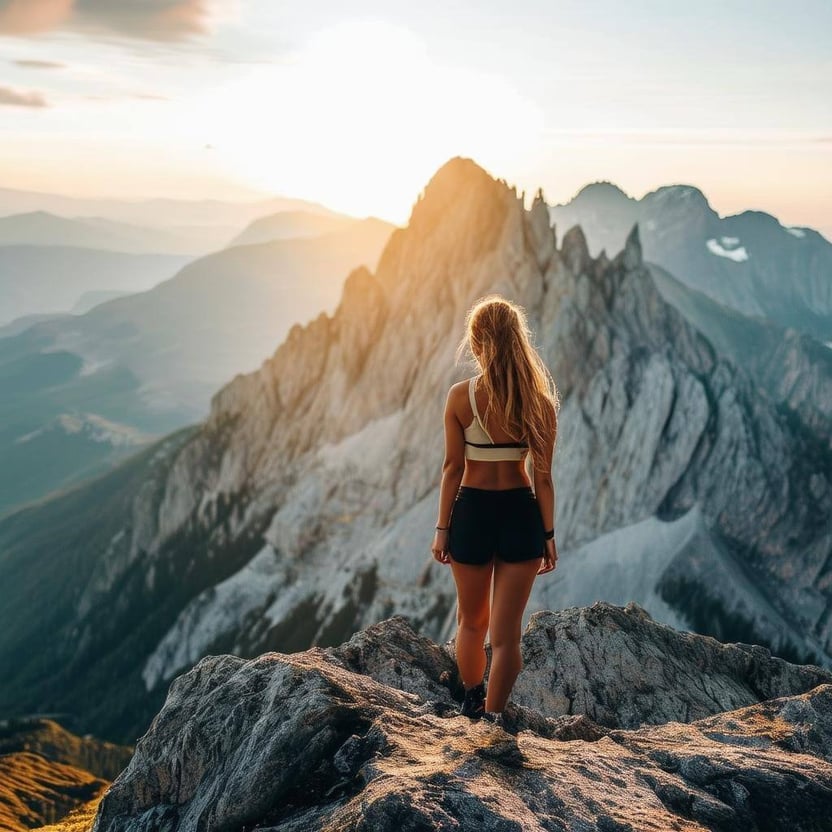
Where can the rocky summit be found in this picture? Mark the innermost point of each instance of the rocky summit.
(617, 723)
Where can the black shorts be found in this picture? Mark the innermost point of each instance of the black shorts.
(503, 522)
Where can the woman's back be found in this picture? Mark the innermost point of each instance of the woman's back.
(493, 459)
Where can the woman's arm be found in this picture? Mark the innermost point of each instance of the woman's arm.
(453, 465)
(453, 468)
(544, 486)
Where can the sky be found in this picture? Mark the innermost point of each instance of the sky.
(356, 105)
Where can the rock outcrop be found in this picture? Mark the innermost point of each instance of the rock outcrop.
(365, 736)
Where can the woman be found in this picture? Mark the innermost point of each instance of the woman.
(491, 520)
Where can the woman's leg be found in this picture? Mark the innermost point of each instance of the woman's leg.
(512, 586)
(473, 589)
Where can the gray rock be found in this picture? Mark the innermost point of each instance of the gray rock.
(622, 669)
(310, 741)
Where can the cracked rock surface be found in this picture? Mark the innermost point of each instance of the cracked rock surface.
(365, 736)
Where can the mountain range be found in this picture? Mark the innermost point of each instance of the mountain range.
(149, 362)
(301, 509)
(747, 261)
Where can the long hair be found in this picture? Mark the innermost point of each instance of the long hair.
(519, 385)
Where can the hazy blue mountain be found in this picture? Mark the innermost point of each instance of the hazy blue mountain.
(747, 261)
(287, 224)
(49, 279)
(69, 447)
(171, 214)
(40, 228)
(92, 298)
(149, 362)
(17, 325)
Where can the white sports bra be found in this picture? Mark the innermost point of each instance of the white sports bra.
(478, 444)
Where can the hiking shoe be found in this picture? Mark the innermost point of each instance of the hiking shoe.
(500, 718)
(473, 705)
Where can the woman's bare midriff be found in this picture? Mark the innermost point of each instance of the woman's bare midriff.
(496, 475)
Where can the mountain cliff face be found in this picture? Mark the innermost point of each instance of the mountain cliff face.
(303, 508)
(617, 723)
(791, 368)
(748, 261)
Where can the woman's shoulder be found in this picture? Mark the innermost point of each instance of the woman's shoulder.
(462, 385)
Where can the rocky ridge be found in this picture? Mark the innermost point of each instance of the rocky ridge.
(365, 736)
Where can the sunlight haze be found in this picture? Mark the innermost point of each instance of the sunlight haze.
(357, 108)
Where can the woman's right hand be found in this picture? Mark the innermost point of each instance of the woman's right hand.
(550, 557)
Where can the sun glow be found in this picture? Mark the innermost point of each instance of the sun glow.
(360, 119)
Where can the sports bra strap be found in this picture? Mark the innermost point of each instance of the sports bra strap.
(473, 400)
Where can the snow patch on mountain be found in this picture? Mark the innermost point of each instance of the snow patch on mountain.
(735, 254)
(92, 365)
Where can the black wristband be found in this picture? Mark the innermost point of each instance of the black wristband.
(442, 528)
(549, 535)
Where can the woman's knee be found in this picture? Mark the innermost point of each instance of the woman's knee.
(505, 639)
(474, 625)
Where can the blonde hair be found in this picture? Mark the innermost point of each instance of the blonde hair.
(517, 382)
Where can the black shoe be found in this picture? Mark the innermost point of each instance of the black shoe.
(473, 705)
(500, 718)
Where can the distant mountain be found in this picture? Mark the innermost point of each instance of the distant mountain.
(40, 228)
(69, 447)
(217, 316)
(287, 224)
(49, 279)
(302, 508)
(92, 298)
(171, 214)
(17, 325)
(747, 261)
(790, 368)
(149, 362)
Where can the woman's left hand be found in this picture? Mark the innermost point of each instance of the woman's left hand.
(440, 547)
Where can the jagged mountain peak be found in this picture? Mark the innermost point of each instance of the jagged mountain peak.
(575, 250)
(631, 255)
(459, 187)
(456, 172)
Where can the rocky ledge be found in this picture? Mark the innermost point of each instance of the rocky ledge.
(622, 724)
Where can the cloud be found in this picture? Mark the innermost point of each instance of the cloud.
(167, 20)
(25, 17)
(13, 98)
(33, 64)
